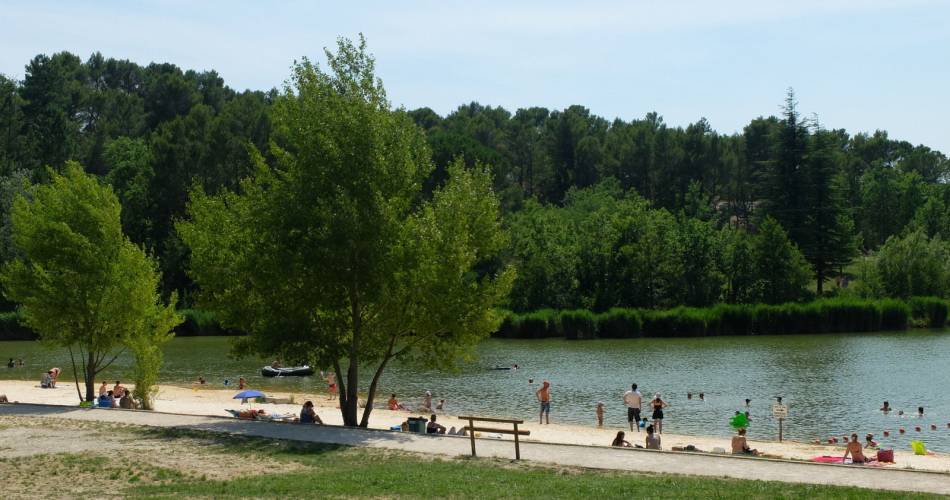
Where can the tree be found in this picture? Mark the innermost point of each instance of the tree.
(781, 269)
(80, 282)
(332, 254)
(786, 185)
(828, 234)
(914, 265)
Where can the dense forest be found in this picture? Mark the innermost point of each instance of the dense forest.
(600, 214)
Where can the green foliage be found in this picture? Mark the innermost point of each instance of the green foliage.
(780, 268)
(913, 265)
(332, 254)
(837, 315)
(80, 282)
(929, 311)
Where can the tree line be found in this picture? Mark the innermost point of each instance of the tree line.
(600, 213)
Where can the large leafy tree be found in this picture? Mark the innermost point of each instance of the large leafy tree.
(333, 255)
(79, 281)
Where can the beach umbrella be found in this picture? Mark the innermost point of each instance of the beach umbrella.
(249, 394)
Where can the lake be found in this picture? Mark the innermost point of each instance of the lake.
(833, 384)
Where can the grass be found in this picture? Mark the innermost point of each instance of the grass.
(335, 471)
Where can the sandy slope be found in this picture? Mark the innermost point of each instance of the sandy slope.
(201, 400)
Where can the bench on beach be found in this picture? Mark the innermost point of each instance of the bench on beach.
(472, 429)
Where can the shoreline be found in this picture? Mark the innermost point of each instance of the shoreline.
(208, 401)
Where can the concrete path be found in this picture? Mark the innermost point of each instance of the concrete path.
(636, 460)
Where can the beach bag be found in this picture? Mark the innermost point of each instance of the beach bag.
(885, 456)
(918, 447)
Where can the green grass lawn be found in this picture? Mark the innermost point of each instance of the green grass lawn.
(330, 471)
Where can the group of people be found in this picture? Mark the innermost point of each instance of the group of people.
(117, 397)
(14, 363)
(49, 378)
(394, 405)
(886, 408)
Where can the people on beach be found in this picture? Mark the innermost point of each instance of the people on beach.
(242, 384)
(119, 390)
(653, 440)
(432, 427)
(600, 413)
(544, 397)
(886, 408)
(394, 404)
(11, 363)
(441, 405)
(3, 398)
(740, 446)
(633, 399)
(658, 404)
(126, 401)
(55, 373)
(855, 450)
(47, 381)
(308, 415)
(620, 442)
(331, 384)
(106, 400)
(250, 414)
(869, 441)
(103, 388)
(201, 380)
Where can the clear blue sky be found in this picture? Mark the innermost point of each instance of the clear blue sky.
(859, 64)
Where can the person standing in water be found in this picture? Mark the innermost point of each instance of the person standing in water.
(633, 399)
(544, 397)
(658, 404)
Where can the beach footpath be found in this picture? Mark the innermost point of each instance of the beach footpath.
(594, 457)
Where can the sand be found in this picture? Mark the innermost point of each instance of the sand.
(205, 400)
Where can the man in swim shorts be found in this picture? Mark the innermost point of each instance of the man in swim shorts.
(544, 396)
(633, 399)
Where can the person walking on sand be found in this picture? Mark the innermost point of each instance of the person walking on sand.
(658, 404)
(633, 399)
(544, 397)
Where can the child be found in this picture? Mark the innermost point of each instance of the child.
(600, 414)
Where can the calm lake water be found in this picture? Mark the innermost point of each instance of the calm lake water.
(833, 384)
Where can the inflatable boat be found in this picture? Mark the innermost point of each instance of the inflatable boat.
(290, 371)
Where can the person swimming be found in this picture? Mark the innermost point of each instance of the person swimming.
(886, 408)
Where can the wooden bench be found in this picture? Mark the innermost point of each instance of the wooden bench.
(472, 429)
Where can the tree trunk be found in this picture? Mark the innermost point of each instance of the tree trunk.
(350, 405)
(371, 396)
(820, 276)
(90, 377)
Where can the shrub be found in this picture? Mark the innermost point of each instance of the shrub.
(620, 323)
(577, 324)
(928, 311)
(12, 329)
(200, 323)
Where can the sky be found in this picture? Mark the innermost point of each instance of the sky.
(861, 65)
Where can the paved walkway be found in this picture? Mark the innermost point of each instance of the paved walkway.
(570, 455)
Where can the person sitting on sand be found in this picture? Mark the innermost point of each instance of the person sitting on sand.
(441, 405)
(855, 450)
(106, 400)
(308, 415)
(47, 381)
(620, 442)
(886, 408)
(242, 384)
(394, 403)
(126, 401)
(740, 446)
(653, 440)
(55, 373)
(869, 441)
(434, 428)
(103, 388)
(119, 390)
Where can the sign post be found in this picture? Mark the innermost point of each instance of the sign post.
(780, 412)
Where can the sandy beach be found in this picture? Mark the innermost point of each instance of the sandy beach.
(204, 400)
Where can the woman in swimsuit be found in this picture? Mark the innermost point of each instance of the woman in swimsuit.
(658, 404)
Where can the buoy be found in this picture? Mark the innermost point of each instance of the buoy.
(887, 433)
(901, 430)
(917, 428)
(831, 440)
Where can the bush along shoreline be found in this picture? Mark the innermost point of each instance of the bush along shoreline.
(836, 315)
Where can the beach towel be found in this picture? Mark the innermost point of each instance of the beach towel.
(827, 459)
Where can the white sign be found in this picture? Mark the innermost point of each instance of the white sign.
(779, 411)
